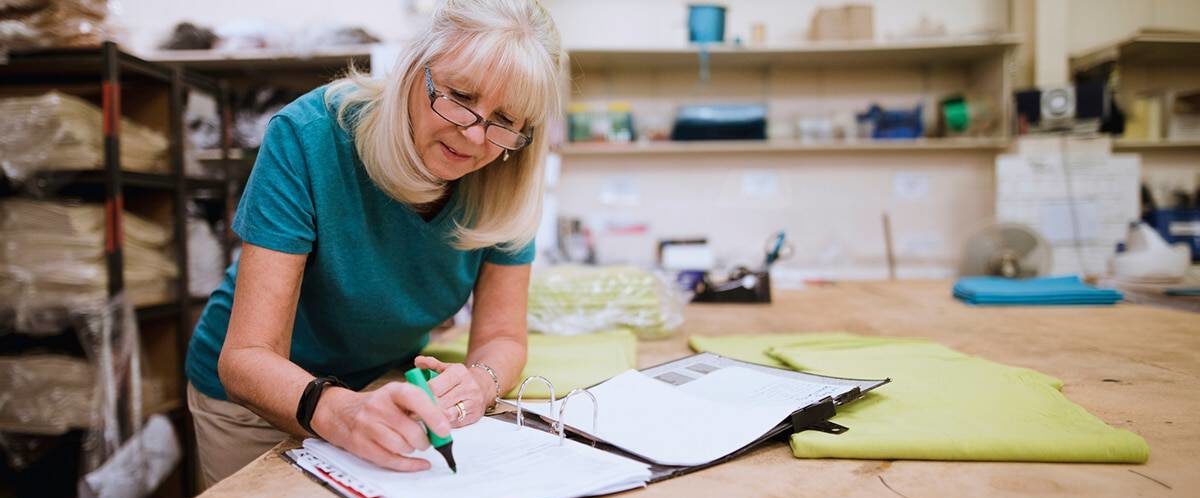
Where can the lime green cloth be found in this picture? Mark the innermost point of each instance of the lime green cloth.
(754, 348)
(940, 405)
(567, 361)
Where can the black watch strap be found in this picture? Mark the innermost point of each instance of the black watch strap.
(308, 401)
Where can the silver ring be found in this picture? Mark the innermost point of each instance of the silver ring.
(462, 411)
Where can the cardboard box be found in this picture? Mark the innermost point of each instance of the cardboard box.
(845, 23)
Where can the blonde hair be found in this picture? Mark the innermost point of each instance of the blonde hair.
(509, 41)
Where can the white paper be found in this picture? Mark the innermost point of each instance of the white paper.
(498, 459)
(741, 386)
(669, 425)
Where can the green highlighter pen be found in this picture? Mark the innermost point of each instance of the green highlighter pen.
(419, 377)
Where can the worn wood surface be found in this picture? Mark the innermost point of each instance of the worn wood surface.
(1133, 366)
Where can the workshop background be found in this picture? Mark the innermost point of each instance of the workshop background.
(794, 142)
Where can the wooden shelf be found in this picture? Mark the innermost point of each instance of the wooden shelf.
(61, 179)
(1121, 144)
(219, 61)
(855, 54)
(1161, 47)
(783, 146)
(156, 311)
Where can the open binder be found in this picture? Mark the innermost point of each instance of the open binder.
(556, 417)
(810, 416)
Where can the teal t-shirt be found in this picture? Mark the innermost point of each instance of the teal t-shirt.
(378, 277)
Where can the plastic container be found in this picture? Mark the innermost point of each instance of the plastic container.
(893, 124)
(706, 23)
(1178, 225)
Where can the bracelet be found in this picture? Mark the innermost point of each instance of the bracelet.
(492, 374)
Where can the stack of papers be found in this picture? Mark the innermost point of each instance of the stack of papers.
(494, 459)
(1054, 291)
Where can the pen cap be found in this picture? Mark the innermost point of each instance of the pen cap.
(419, 377)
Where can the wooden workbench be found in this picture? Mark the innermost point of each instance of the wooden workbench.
(1133, 366)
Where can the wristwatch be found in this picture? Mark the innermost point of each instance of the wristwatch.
(308, 401)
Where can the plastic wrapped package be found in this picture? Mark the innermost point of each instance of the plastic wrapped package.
(52, 259)
(188, 36)
(102, 394)
(60, 131)
(572, 300)
(206, 266)
(45, 394)
(139, 466)
(254, 109)
(31, 24)
(322, 37)
(203, 121)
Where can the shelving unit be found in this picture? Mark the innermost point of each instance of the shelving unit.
(1143, 145)
(1150, 47)
(243, 70)
(213, 61)
(979, 67)
(152, 94)
(777, 146)
(732, 192)
(816, 54)
(1151, 61)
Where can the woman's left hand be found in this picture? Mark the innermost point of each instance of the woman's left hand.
(454, 384)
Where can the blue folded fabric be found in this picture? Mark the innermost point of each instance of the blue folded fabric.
(1049, 291)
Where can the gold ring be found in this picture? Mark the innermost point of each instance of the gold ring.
(462, 411)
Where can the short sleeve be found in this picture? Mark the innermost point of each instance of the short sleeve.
(522, 256)
(277, 210)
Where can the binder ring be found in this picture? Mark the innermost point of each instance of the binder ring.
(521, 393)
(561, 426)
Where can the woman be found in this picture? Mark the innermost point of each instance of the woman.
(375, 208)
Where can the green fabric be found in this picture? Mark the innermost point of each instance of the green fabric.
(754, 348)
(942, 405)
(567, 361)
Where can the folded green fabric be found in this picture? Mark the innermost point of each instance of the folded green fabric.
(754, 348)
(567, 361)
(942, 405)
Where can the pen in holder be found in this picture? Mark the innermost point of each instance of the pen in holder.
(559, 425)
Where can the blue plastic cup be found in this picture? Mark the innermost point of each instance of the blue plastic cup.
(706, 23)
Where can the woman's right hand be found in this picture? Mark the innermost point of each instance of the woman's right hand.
(381, 426)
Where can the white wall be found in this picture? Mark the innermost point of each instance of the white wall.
(662, 23)
(147, 22)
(590, 23)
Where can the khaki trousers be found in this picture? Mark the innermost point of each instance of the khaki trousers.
(228, 436)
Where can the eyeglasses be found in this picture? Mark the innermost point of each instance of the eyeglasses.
(460, 115)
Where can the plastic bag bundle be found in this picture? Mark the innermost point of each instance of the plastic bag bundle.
(45, 394)
(30, 24)
(572, 300)
(52, 257)
(56, 131)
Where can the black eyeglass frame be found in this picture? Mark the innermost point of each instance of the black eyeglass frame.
(434, 94)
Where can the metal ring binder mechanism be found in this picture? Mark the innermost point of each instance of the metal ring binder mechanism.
(559, 425)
